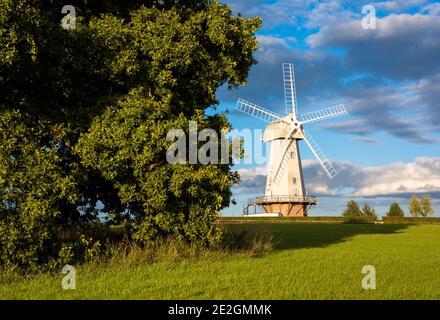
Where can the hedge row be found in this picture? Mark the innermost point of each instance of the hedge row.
(386, 220)
(410, 220)
(233, 220)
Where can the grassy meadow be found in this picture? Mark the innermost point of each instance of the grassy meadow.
(308, 261)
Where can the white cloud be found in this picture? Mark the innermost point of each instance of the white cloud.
(271, 41)
(398, 5)
(252, 180)
(384, 108)
(421, 176)
(394, 26)
(366, 140)
(250, 173)
(395, 179)
(292, 39)
(282, 12)
(425, 93)
(432, 8)
(328, 13)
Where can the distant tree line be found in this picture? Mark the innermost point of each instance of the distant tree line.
(353, 210)
(417, 208)
(420, 207)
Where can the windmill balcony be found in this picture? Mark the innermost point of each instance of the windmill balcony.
(308, 200)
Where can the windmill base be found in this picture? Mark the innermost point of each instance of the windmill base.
(287, 206)
(287, 209)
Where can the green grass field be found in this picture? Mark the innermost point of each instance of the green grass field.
(310, 261)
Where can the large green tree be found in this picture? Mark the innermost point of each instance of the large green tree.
(426, 206)
(369, 211)
(415, 207)
(352, 210)
(395, 211)
(84, 115)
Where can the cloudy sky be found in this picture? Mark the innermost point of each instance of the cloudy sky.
(388, 148)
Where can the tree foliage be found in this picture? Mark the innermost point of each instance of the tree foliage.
(84, 115)
(395, 211)
(352, 209)
(426, 206)
(368, 211)
(414, 207)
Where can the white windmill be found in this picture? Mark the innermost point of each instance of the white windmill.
(285, 189)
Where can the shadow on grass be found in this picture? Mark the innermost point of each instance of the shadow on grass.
(311, 235)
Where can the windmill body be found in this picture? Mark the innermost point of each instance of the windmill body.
(291, 181)
(285, 189)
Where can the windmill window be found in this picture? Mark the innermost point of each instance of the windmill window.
(294, 181)
(292, 155)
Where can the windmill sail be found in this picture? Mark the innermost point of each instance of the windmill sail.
(319, 115)
(256, 111)
(290, 88)
(329, 170)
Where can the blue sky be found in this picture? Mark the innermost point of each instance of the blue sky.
(388, 148)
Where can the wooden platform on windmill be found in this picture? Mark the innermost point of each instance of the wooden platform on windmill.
(287, 206)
